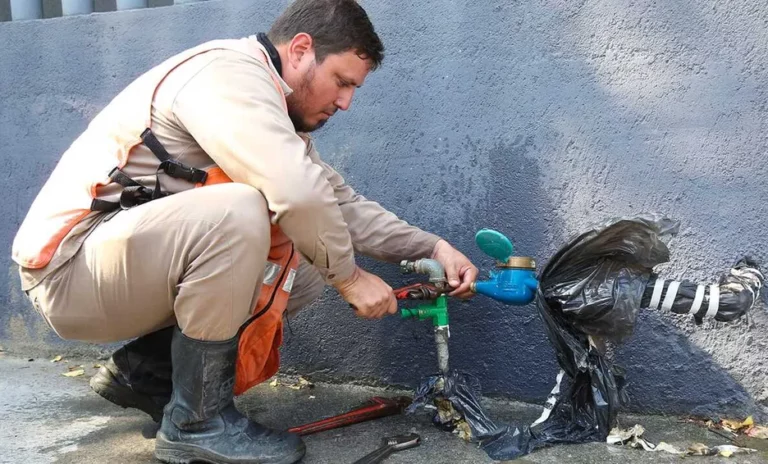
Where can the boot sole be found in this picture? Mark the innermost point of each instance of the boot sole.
(183, 453)
(108, 387)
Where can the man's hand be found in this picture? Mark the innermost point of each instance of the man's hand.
(458, 268)
(371, 297)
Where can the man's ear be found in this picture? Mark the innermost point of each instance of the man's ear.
(301, 47)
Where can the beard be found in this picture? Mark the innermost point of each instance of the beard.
(295, 100)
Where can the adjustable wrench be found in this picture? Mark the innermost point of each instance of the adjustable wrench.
(389, 446)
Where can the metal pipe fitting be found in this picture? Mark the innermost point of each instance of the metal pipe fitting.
(429, 267)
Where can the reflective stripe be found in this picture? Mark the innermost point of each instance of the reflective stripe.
(698, 299)
(271, 271)
(658, 289)
(288, 286)
(669, 299)
(714, 300)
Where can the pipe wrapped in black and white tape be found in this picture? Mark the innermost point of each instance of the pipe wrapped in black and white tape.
(736, 293)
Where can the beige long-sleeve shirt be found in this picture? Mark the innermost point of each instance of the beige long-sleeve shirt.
(222, 107)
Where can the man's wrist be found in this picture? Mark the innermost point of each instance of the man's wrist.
(341, 285)
(439, 245)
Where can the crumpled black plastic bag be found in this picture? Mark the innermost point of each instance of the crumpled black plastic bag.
(590, 289)
(596, 281)
(462, 391)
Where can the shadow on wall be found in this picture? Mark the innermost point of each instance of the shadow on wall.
(561, 125)
(593, 148)
(396, 351)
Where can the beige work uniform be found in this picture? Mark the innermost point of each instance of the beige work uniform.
(198, 257)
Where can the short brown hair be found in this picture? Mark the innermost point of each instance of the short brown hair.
(336, 26)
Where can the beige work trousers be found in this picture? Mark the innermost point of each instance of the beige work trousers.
(195, 258)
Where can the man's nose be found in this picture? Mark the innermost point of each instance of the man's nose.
(344, 100)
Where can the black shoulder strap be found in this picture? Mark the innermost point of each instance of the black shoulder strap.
(167, 164)
(154, 145)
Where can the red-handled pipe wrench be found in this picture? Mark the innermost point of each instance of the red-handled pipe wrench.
(378, 406)
(375, 408)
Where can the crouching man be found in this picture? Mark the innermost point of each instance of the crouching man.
(195, 210)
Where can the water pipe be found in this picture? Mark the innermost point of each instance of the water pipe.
(436, 310)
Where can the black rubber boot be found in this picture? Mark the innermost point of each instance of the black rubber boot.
(138, 375)
(201, 422)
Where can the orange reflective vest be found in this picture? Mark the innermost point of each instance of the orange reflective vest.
(71, 194)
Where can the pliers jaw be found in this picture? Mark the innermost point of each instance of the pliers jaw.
(418, 291)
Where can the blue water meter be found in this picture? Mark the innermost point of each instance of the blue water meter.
(514, 280)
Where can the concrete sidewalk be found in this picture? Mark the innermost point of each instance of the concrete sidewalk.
(48, 418)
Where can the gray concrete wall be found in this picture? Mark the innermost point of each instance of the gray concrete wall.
(534, 118)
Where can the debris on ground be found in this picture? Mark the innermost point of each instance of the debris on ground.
(632, 437)
(757, 431)
(300, 384)
(726, 451)
(74, 373)
(56, 359)
(733, 427)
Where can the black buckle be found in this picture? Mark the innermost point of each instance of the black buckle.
(179, 171)
(135, 196)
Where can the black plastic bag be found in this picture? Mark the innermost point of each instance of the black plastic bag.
(597, 280)
(456, 398)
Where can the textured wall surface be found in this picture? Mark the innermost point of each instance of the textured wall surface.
(534, 118)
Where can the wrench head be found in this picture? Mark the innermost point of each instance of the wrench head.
(402, 442)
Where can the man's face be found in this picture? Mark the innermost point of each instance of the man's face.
(322, 89)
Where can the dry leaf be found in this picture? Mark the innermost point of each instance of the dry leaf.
(735, 426)
(72, 368)
(311, 397)
(97, 366)
(305, 383)
(464, 431)
(698, 449)
(56, 359)
(757, 431)
(74, 373)
(273, 383)
(729, 450)
(302, 383)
